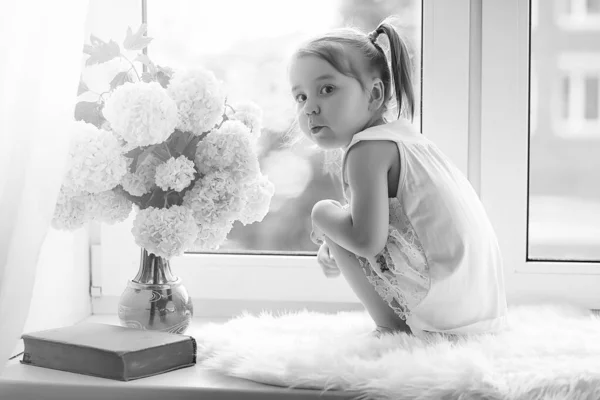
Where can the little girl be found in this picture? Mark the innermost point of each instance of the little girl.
(414, 242)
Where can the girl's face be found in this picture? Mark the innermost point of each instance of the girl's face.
(331, 107)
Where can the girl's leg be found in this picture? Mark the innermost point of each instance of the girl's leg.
(378, 309)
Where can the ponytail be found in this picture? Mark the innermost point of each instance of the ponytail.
(400, 68)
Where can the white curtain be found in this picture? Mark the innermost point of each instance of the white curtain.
(41, 44)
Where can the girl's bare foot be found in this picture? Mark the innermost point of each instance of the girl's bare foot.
(383, 330)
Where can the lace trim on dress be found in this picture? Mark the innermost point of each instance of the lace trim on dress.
(401, 272)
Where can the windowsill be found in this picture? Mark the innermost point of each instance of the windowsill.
(23, 381)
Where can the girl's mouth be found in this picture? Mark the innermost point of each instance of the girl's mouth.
(316, 129)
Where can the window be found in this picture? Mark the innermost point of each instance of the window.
(288, 273)
(540, 190)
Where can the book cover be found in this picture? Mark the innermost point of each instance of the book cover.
(108, 351)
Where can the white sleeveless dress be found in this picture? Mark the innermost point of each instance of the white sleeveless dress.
(441, 269)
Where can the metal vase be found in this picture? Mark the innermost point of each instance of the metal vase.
(155, 299)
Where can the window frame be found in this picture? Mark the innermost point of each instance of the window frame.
(505, 148)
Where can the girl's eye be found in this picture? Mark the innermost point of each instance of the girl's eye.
(300, 98)
(327, 89)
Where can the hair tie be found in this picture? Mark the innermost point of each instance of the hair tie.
(373, 36)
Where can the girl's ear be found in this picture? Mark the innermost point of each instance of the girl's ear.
(376, 96)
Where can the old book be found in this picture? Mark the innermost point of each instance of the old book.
(108, 351)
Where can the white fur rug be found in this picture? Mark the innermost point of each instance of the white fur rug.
(550, 352)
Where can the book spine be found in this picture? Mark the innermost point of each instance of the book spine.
(157, 360)
(195, 349)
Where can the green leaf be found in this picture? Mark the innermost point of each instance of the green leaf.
(156, 199)
(96, 41)
(163, 75)
(103, 52)
(137, 41)
(147, 77)
(178, 141)
(82, 88)
(190, 149)
(144, 59)
(174, 199)
(90, 112)
(143, 155)
(120, 79)
(134, 154)
(87, 49)
(161, 151)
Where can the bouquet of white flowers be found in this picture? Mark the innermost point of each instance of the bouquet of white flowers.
(168, 145)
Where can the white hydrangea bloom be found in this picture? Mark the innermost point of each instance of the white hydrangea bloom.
(142, 181)
(234, 126)
(210, 237)
(200, 99)
(176, 173)
(228, 149)
(214, 198)
(135, 184)
(250, 114)
(141, 113)
(95, 161)
(110, 206)
(70, 212)
(165, 232)
(258, 200)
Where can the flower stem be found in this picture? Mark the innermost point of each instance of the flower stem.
(232, 109)
(166, 204)
(166, 146)
(132, 66)
(225, 118)
(101, 95)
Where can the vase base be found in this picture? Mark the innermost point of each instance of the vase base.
(179, 328)
(168, 309)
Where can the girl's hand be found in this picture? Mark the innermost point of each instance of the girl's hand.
(327, 263)
(317, 236)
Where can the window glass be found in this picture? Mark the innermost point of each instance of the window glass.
(564, 153)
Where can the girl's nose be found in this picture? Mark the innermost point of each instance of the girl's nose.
(311, 107)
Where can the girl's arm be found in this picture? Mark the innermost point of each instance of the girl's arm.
(364, 229)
